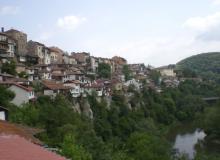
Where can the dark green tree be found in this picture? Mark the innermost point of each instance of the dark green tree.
(9, 67)
(104, 70)
(127, 72)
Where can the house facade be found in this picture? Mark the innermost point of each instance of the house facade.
(22, 94)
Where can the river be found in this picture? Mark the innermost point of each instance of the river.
(185, 138)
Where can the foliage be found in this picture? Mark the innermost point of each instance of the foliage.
(142, 146)
(104, 70)
(206, 64)
(155, 76)
(127, 72)
(5, 96)
(9, 67)
(22, 74)
(119, 131)
(212, 120)
(71, 150)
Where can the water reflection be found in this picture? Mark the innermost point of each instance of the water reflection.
(185, 143)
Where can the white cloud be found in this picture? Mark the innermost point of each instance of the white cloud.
(9, 10)
(203, 23)
(216, 2)
(70, 22)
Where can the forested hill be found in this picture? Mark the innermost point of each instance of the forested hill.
(205, 64)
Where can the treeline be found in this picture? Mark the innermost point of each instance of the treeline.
(133, 127)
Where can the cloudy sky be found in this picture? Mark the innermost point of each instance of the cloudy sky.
(156, 32)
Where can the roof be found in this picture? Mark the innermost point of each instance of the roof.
(94, 85)
(55, 86)
(17, 148)
(2, 108)
(28, 89)
(14, 30)
(6, 75)
(7, 128)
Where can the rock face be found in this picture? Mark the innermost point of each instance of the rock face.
(86, 109)
(76, 108)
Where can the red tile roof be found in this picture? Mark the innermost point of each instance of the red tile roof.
(55, 86)
(11, 83)
(7, 128)
(17, 148)
(28, 89)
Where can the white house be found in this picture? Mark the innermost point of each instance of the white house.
(133, 82)
(94, 87)
(167, 71)
(75, 88)
(22, 94)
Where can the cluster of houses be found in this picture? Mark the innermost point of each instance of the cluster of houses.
(57, 71)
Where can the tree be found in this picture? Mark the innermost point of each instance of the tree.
(22, 74)
(5, 96)
(142, 146)
(155, 76)
(127, 72)
(212, 127)
(104, 70)
(72, 150)
(9, 67)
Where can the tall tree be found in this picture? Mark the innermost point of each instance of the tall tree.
(104, 70)
(127, 72)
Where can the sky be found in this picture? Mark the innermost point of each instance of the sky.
(155, 32)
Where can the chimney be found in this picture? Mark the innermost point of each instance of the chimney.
(2, 30)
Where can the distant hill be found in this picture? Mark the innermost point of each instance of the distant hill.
(206, 65)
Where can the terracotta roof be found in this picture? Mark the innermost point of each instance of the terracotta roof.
(17, 148)
(28, 89)
(7, 128)
(55, 86)
(11, 83)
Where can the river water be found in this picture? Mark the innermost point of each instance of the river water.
(185, 138)
(185, 143)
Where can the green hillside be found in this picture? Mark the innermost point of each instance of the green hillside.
(206, 64)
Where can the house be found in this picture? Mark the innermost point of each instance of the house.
(3, 113)
(133, 81)
(39, 50)
(94, 64)
(5, 77)
(7, 47)
(56, 55)
(20, 67)
(52, 88)
(30, 71)
(116, 85)
(82, 58)
(94, 87)
(119, 62)
(21, 43)
(75, 88)
(47, 57)
(45, 74)
(167, 71)
(22, 94)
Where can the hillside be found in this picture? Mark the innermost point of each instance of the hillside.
(205, 64)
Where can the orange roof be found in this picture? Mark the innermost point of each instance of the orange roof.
(18, 148)
(55, 86)
(7, 128)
